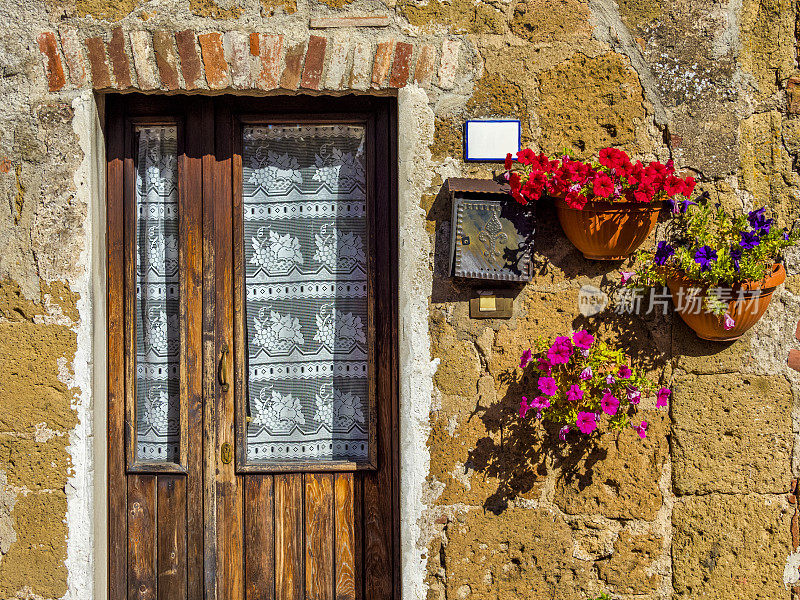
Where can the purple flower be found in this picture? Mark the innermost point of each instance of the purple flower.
(641, 429)
(759, 221)
(749, 240)
(583, 339)
(728, 322)
(560, 351)
(575, 393)
(562, 433)
(663, 253)
(526, 358)
(736, 256)
(634, 395)
(524, 407)
(609, 403)
(786, 234)
(586, 374)
(686, 204)
(625, 372)
(704, 257)
(662, 396)
(586, 422)
(625, 276)
(548, 386)
(544, 365)
(610, 379)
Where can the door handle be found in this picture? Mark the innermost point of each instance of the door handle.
(222, 370)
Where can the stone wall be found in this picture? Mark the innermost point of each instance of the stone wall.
(698, 510)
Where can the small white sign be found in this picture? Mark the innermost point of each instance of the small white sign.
(491, 139)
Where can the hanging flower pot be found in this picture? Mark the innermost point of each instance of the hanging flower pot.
(748, 301)
(608, 230)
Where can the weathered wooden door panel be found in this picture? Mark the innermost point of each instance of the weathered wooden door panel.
(189, 517)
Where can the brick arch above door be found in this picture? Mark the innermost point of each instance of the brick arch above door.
(238, 60)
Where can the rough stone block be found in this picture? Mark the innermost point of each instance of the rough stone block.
(74, 56)
(423, 72)
(315, 62)
(293, 65)
(628, 571)
(120, 65)
(55, 72)
(449, 64)
(236, 48)
(214, 63)
(190, 60)
(144, 60)
(362, 66)
(166, 59)
(268, 50)
(383, 60)
(732, 433)
(98, 63)
(730, 547)
(401, 64)
(336, 75)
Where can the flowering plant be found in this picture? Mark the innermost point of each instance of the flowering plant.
(586, 385)
(707, 244)
(614, 178)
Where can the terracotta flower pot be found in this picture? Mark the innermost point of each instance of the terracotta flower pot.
(608, 230)
(749, 302)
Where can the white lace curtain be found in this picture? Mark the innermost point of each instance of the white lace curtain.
(306, 292)
(157, 296)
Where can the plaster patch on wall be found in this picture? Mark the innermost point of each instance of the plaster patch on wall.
(415, 127)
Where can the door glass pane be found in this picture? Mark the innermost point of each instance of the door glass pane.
(157, 296)
(305, 244)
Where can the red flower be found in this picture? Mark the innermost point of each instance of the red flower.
(613, 158)
(508, 162)
(644, 193)
(636, 174)
(540, 163)
(576, 200)
(688, 186)
(526, 156)
(674, 185)
(603, 186)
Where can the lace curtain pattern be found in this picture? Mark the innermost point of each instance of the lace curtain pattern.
(305, 238)
(157, 296)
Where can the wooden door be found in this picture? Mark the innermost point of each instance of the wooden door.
(233, 472)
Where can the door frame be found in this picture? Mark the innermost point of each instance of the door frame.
(157, 105)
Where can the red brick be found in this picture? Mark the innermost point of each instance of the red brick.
(74, 57)
(268, 49)
(793, 95)
(383, 60)
(293, 65)
(797, 332)
(423, 72)
(401, 65)
(794, 359)
(55, 72)
(315, 62)
(166, 59)
(98, 63)
(120, 65)
(214, 60)
(144, 61)
(190, 60)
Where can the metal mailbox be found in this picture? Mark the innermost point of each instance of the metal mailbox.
(492, 234)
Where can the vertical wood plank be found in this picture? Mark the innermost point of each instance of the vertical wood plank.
(142, 537)
(117, 488)
(319, 535)
(171, 537)
(259, 540)
(346, 517)
(289, 576)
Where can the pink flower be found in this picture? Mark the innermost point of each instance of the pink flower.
(560, 351)
(575, 393)
(625, 276)
(586, 422)
(526, 358)
(583, 339)
(524, 407)
(540, 403)
(544, 365)
(548, 386)
(728, 322)
(562, 433)
(641, 429)
(610, 380)
(634, 395)
(624, 372)
(610, 403)
(586, 374)
(662, 397)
